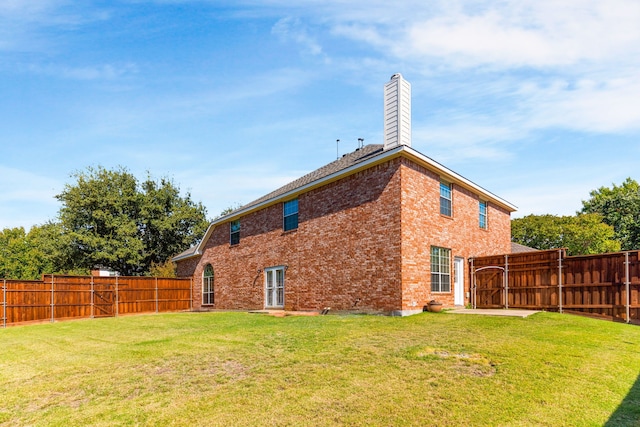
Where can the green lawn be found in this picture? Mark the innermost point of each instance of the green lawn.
(250, 369)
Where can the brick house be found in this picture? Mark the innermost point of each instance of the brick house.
(383, 229)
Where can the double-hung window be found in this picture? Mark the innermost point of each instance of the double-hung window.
(207, 285)
(234, 232)
(440, 269)
(445, 199)
(482, 214)
(290, 213)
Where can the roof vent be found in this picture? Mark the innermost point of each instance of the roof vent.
(397, 112)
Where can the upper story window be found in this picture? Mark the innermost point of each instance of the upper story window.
(440, 269)
(207, 285)
(445, 199)
(234, 235)
(290, 211)
(482, 214)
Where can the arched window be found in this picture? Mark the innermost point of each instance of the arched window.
(207, 285)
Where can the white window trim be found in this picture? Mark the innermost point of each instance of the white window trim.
(440, 274)
(269, 298)
(485, 215)
(210, 280)
(231, 232)
(450, 199)
(285, 216)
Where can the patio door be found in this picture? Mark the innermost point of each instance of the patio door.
(274, 287)
(458, 281)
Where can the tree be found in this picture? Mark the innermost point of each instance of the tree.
(27, 256)
(109, 220)
(620, 208)
(228, 210)
(581, 234)
(14, 254)
(166, 269)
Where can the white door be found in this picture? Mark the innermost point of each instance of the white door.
(274, 287)
(458, 281)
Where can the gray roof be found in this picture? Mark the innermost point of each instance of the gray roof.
(186, 254)
(348, 163)
(343, 162)
(517, 248)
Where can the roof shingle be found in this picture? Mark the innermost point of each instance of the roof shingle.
(343, 162)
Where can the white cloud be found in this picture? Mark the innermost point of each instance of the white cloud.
(608, 105)
(508, 33)
(93, 72)
(24, 24)
(293, 29)
(575, 61)
(464, 140)
(27, 198)
(531, 33)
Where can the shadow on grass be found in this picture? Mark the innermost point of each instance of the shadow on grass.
(628, 413)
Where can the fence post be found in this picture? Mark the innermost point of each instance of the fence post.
(506, 281)
(473, 285)
(156, 294)
(627, 282)
(117, 296)
(92, 296)
(4, 303)
(560, 280)
(53, 304)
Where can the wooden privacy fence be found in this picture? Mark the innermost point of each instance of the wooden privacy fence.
(604, 285)
(65, 297)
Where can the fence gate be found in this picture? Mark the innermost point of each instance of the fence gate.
(104, 300)
(489, 287)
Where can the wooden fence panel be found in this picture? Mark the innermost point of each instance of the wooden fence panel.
(593, 285)
(58, 297)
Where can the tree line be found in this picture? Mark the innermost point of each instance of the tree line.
(609, 221)
(108, 219)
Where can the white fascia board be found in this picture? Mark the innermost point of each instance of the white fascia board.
(199, 248)
(455, 178)
(381, 158)
(291, 194)
(399, 151)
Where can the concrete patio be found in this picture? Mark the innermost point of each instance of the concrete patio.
(494, 312)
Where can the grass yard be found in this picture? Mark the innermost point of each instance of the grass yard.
(249, 369)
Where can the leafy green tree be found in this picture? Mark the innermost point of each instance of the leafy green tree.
(110, 220)
(14, 254)
(27, 256)
(581, 234)
(228, 210)
(166, 269)
(169, 223)
(620, 208)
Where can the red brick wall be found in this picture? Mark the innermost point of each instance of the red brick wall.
(423, 226)
(345, 253)
(363, 243)
(187, 267)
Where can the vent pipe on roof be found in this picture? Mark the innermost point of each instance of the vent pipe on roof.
(397, 112)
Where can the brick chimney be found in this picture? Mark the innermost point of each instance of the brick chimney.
(397, 112)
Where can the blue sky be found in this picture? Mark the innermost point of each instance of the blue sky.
(537, 101)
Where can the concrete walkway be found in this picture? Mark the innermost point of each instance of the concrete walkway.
(494, 312)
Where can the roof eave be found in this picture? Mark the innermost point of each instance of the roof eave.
(381, 158)
(399, 151)
(456, 178)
